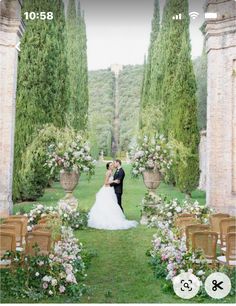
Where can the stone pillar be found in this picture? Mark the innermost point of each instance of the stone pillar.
(11, 29)
(202, 160)
(221, 106)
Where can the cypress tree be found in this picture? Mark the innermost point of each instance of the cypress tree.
(145, 96)
(42, 90)
(183, 124)
(77, 64)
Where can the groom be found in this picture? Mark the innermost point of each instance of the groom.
(118, 181)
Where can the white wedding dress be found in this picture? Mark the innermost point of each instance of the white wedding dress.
(106, 212)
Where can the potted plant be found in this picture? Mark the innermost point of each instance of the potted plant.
(151, 158)
(70, 159)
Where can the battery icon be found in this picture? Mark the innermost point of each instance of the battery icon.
(210, 15)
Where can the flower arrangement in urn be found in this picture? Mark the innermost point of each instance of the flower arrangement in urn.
(71, 158)
(152, 158)
(153, 153)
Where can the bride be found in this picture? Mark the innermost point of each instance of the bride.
(106, 213)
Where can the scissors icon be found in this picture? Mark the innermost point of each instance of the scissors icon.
(217, 285)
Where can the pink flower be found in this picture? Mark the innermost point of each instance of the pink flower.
(62, 289)
(45, 285)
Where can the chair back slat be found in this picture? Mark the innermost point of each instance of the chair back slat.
(230, 247)
(215, 221)
(205, 241)
(8, 228)
(38, 240)
(184, 215)
(7, 242)
(190, 229)
(19, 224)
(42, 227)
(224, 224)
(231, 229)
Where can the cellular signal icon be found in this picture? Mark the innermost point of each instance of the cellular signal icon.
(193, 15)
(177, 17)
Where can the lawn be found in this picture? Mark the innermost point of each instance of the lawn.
(120, 272)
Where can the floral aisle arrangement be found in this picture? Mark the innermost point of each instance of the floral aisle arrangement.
(169, 257)
(152, 153)
(62, 272)
(69, 217)
(71, 156)
(159, 208)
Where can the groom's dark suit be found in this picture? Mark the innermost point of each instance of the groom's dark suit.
(119, 175)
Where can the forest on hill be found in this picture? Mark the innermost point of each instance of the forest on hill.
(101, 111)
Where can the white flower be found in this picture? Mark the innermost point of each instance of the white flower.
(46, 278)
(54, 282)
(169, 214)
(200, 273)
(178, 209)
(37, 274)
(50, 292)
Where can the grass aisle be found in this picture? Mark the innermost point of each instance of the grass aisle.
(120, 272)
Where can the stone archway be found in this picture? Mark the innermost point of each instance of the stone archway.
(11, 30)
(221, 106)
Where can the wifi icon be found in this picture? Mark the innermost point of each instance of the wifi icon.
(193, 15)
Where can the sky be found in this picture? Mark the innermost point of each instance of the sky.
(118, 31)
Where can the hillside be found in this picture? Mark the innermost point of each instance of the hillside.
(102, 107)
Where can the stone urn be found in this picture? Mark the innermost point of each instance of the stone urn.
(152, 179)
(69, 181)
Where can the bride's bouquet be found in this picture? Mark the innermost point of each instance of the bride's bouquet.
(71, 156)
(152, 153)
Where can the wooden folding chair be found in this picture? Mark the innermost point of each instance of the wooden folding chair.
(192, 228)
(230, 258)
(224, 224)
(7, 243)
(182, 222)
(19, 225)
(215, 221)
(206, 241)
(38, 243)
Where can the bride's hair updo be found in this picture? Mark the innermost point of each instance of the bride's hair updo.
(108, 165)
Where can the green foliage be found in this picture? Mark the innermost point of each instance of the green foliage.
(172, 93)
(42, 89)
(101, 111)
(77, 64)
(183, 121)
(130, 80)
(35, 177)
(148, 66)
(152, 119)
